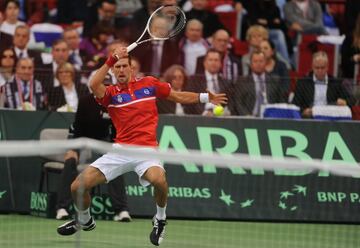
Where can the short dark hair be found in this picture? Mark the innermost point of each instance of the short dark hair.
(212, 50)
(256, 52)
(100, 3)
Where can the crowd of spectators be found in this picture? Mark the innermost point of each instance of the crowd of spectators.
(201, 58)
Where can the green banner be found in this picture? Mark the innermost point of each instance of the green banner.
(204, 191)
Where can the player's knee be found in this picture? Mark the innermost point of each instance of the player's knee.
(160, 181)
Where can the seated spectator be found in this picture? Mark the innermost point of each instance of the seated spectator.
(304, 16)
(7, 64)
(319, 88)
(23, 91)
(275, 67)
(211, 80)
(94, 47)
(267, 14)
(254, 36)
(256, 89)
(76, 56)
(160, 53)
(60, 55)
(350, 52)
(192, 46)
(177, 77)
(12, 10)
(210, 20)
(66, 97)
(231, 64)
(21, 40)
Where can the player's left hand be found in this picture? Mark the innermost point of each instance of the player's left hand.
(217, 98)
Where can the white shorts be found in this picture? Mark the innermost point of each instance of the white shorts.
(113, 165)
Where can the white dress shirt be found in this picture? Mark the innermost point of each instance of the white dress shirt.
(71, 97)
(320, 91)
(193, 50)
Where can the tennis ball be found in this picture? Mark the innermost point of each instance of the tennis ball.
(218, 110)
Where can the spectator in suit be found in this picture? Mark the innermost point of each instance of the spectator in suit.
(66, 96)
(176, 76)
(231, 64)
(76, 56)
(275, 67)
(12, 11)
(256, 89)
(210, 20)
(192, 46)
(319, 88)
(60, 55)
(304, 16)
(210, 80)
(20, 42)
(23, 91)
(350, 52)
(161, 54)
(7, 64)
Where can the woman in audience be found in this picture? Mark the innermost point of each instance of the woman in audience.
(254, 36)
(12, 11)
(66, 97)
(177, 77)
(94, 47)
(274, 66)
(266, 13)
(7, 64)
(351, 53)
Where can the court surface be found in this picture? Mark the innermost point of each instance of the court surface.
(34, 232)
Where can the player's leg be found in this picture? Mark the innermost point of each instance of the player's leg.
(155, 175)
(80, 190)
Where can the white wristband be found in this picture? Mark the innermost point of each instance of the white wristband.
(204, 97)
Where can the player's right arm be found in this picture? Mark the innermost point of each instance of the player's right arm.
(96, 84)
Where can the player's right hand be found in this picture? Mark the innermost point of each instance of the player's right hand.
(120, 52)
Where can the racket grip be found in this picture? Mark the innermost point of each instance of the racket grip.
(131, 47)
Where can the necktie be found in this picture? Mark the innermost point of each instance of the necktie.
(21, 54)
(72, 58)
(26, 90)
(215, 84)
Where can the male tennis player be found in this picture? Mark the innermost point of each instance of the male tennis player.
(131, 105)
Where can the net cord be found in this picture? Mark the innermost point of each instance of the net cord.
(50, 147)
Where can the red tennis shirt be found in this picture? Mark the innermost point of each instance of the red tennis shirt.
(133, 110)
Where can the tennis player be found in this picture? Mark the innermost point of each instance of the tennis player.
(131, 105)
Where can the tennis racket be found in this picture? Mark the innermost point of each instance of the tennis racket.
(164, 23)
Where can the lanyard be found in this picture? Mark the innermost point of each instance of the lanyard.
(20, 91)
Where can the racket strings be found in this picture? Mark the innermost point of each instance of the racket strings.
(166, 22)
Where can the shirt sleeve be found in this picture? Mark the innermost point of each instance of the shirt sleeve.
(162, 89)
(105, 101)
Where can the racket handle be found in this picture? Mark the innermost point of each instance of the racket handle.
(131, 47)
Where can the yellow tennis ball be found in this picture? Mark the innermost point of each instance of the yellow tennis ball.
(218, 110)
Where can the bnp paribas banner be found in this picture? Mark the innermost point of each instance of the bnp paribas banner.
(205, 191)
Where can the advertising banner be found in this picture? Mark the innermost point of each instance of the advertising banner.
(207, 192)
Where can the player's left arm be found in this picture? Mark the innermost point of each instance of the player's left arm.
(186, 97)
